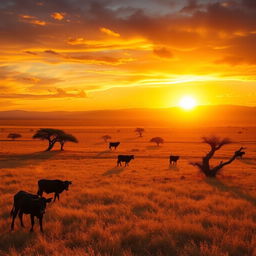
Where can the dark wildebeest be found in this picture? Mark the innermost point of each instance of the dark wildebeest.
(113, 145)
(124, 158)
(26, 203)
(174, 159)
(53, 186)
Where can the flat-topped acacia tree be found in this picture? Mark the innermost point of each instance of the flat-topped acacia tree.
(157, 140)
(63, 138)
(215, 143)
(106, 137)
(14, 136)
(139, 131)
(53, 136)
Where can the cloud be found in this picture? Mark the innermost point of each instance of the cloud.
(163, 52)
(58, 15)
(109, 32)
(32, 20)
(9, 75)
(80, 44)
(59, 93)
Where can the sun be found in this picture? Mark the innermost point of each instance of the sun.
(187, 102)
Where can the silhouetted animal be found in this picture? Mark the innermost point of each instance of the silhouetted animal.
(124, 158)
(52, 186)
(239, 154)
(26, 203)
(113, 145)
(174, 159)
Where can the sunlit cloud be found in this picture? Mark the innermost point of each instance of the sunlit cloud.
(100, 46)
(58, 15)
(109, 32)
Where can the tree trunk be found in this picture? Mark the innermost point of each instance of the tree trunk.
(212, 172)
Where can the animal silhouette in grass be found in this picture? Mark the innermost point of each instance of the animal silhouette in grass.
(140, 131)
(53, 186)
(173, 159)
(26, 203)
(215, 144)
(157, 140)
(53, 136)
(14, 136)
(113, 145)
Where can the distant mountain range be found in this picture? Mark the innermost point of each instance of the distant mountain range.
(221, 115)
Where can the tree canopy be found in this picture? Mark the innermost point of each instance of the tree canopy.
(157, 140)
(53, 136)
(14, 136)
(106, 137)
(139, 131)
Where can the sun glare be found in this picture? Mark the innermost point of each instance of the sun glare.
(187, 103)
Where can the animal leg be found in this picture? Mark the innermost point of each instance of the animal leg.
(58, 196)
(32, 218)
(40, 192)
(15, 212)
(21, 220)
(41, 224)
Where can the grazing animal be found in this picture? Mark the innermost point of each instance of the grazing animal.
(26, 203)
(53, 186)
(124, 158)
(174, 159)
(113, 145)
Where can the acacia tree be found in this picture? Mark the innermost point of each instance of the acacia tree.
(63, 138)
(49, 134)
(106, 137)
(14, 136)
(157, 140)
(215, 143)
(140, 131)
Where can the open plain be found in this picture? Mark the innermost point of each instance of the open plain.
(147, 208)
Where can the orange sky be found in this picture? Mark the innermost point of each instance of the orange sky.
(102, 54)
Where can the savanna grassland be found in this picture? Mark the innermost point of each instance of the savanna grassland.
(147, 208)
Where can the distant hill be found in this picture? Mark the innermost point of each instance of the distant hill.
(223, 115)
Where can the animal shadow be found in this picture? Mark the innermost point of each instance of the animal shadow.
(102, 153)
(174, 167)
(20, 160)
(115, 170)
(247, 161)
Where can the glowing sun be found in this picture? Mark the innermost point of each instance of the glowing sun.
(187, 103)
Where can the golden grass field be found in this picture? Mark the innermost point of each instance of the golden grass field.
(147, 208)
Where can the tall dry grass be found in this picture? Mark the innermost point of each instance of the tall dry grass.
(144, 209)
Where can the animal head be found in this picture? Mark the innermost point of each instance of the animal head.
(66, 184)
(42, 204)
